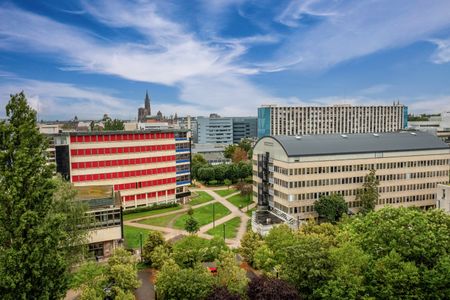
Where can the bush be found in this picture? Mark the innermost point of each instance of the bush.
(213, 182)
(222, 293)
(149, 208)
(154, 239)
(271, 288)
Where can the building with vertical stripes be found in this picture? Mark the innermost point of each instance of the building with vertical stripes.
(147, 167)
(301, 120)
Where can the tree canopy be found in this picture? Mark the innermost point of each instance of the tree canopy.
(331, 208)
(37, 219)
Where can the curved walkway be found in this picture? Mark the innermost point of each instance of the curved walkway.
(172, 232)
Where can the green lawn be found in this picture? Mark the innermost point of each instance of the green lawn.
(204, 215)
(249, 213)
(132, 236)
(231, 228)
(163, 221)
(202, 197)
(239, 201)
(226, 192)
(150, 213)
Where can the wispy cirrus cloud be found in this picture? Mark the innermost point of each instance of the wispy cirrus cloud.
(442, 53)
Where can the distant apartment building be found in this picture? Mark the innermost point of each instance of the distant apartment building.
(290, 173)
(302, 120)
(214, 130)
(147, 167)
(105, 215)
(244, 127)
(437, 125)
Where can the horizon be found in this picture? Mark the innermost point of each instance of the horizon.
(226, 56)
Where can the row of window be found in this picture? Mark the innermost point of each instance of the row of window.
(357, 179)
(104, 218)
(124, 174)
(121, 137)
(122, 162)
(119, 150)
(361, 167)
(142, 184)
(354, 192)
(148, 195)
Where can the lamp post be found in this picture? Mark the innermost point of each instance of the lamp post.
(140, 243)
(214, 216)
(224, 231)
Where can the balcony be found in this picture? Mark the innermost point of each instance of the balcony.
(181, 139)
(183, 194)
(183, 150)
(183, 172)
(181, 161)
(184, 182)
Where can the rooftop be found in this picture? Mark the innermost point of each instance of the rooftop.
(329, 144)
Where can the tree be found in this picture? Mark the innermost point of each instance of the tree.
(118, 279)
(230, 275)
(271, 288)
(264, 259)
(246, 190)
(250, 242)
(160, 255)
(331, 207)
(193, 249)
(227, 182)
(278, 239)
(37, 230)
(229, 151)
(154, 239)
(368, 195)
(222, 293)
(239, 155)
(173, 282)
(205, 173)
(245, 144)
(191, 225)
(113, 125)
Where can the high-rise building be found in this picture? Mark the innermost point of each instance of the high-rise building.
(292, 172)
(214, 130)
(244, 127)
(301, 120)
(147, 167)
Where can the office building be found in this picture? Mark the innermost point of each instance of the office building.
(214, 154)
(105, 215)
(147, 167)
(443, 197)
(302, 120)
(437, 125)
(244, 127)
(214, 130)
(292, 172)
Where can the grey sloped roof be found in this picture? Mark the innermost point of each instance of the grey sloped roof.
(329, 144)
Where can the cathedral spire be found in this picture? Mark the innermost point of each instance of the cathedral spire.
(147, 103)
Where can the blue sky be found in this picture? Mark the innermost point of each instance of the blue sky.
(196, 57)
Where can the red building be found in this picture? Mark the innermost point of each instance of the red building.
(147, 167)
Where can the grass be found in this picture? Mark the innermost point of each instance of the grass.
(226, 192)
(204, 215)
(240, 201)
(163, 221)
(132, 236)
(202, 197)
(231, 229)
(249, 213)
(150, 213)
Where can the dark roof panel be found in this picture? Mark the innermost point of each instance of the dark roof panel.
(329, 144)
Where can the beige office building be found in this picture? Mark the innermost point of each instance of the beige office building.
(301, 120)
(291, 172)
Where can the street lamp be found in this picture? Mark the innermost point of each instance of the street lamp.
(224, 232)
(140, 243)
(214, 216)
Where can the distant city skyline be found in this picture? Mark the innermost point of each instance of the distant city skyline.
(224, 56)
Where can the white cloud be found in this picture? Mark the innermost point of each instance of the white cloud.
(54, 100)
(297, 9)
(354, 29)
(442, 53)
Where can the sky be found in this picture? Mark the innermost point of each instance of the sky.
(196, 57)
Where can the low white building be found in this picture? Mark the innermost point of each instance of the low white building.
(443, 197)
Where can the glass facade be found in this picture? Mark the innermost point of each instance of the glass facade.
(263, 121)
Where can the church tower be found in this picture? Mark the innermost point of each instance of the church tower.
(147, 104)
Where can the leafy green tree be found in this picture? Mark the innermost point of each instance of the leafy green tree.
(37, 233)
(232, 172)
(265, 259)
(368, 195)
(263, 287)
(239, 155)
(193, 249)
(250, 242)
(160, 255)
(227, 182)
(198, 159)
(245, 144)
(230, 275)
(347, 278)
(229, 151)
(154, 239)
(192, 226)
(220, 172)
(114, 125)
(173, 282)
(118, 279)
(331, 207)
(307, 264)
(206, 173)
(278, 239)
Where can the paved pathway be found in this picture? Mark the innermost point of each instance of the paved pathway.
(146, 291)
(172, 232)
